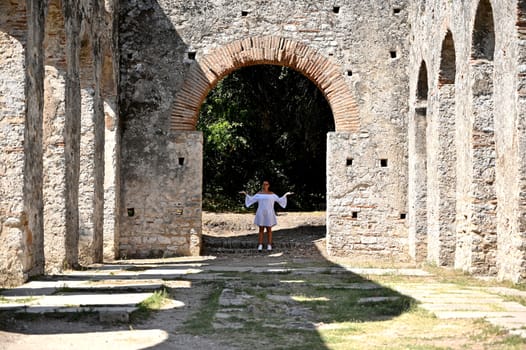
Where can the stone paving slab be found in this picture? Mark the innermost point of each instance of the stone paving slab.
(358, 286)
(459, 300)
(477, 314)
(34, 288)
(52, 302)
(135, 284)
(77, 309)
(507, 291)
(210, 277)
(441, 306)
(382, 272)
(448, 301)
(376, 299)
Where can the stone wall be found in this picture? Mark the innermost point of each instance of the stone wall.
(161, 42)
(485, 236)
(166, 221)
(366, 207)
(98, 102)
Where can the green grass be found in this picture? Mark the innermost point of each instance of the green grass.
(515, 298)
(155, 301)
(150, 304)
(201, 321)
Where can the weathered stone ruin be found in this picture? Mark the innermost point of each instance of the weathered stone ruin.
(101, 159)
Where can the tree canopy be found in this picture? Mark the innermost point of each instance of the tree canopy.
(264, 122)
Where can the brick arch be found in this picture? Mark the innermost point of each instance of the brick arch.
(324, 73)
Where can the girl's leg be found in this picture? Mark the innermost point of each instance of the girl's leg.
(269, 232)
(260, 236)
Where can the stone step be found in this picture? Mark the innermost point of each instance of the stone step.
(252, 250)
(243, 244)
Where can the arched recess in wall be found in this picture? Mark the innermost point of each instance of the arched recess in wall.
(54, 186)
(324, 73)
(441, 240)
(418, 169)
(483, 194)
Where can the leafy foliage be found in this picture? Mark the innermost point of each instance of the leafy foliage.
(264, 122)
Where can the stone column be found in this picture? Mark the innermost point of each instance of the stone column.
(477, 243)
(33, 132)
(21, 100)
(417, 188)
(72, 130)
(441, 238)
(513, 253)
(108, 71)
(54, 187)
(99, 145)
(91, 189)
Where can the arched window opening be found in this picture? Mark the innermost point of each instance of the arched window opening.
(483, 45)
(422, 86)
(265, 122)
(447, 61)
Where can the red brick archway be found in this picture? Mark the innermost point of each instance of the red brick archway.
(324, 73)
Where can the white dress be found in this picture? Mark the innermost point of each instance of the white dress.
(265, 215)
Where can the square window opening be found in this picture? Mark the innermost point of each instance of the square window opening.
(349, 161)
(393, 54)
(383, 163)
(336, 9)
(354, 215)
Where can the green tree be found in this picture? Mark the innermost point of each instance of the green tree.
(264, 122)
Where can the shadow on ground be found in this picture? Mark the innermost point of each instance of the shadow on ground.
(238, 300)
(300, 239)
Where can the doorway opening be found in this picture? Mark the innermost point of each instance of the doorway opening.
(264, 122)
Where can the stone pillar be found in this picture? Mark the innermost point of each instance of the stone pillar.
(477, 244)
(162, 213)
(107, 75)
(99, 144)
(54, 190)
(417, 188)
(512, 250)
(442, 191)
(517, 267)
(72, 130)
(21, 100)
(91, 190)
(111, 178)
(34, 92)
(365, 213)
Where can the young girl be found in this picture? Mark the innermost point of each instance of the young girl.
(265, 214)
